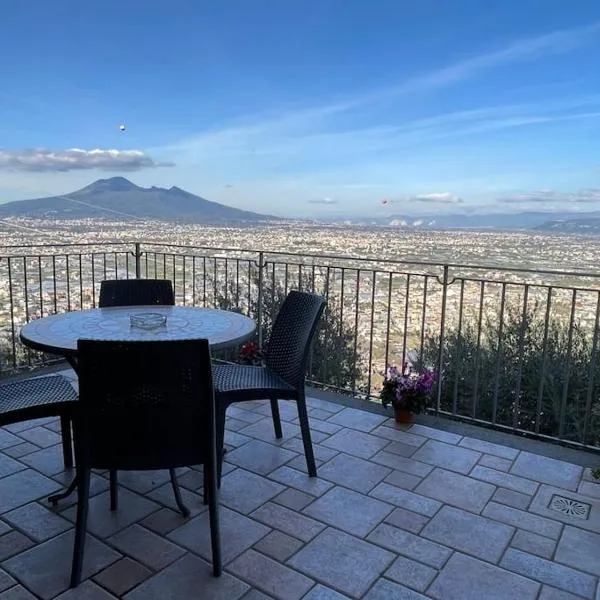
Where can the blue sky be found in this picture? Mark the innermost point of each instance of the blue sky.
(307, 107)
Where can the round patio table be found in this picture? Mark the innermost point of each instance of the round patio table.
(58, 334)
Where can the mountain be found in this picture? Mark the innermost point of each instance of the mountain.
(118, 198)
(589, 226)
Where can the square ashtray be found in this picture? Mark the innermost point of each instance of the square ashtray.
(149, 320)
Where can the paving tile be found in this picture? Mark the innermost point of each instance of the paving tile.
(260, 457)
(320, 592)
(8, 440)
(523, 520)
(399, 435)
(403, 480)
(278, 545)
(435, 434)
(98, 484)
(123, 575)
(12, 543)
(457, 490)
(48, 461)
(319, 413)
(489, 448)
(579, 549)
(17, 593)
(6, 581)
(288, 521)
(235, 440)
(270, 576)
(301, 481)
(244, 491)
(495, 462)
(324, 426)
(410, 545)
(539, 505)
(241, 414)
(547, 470)
(103, 522)
(20, 449)
(352, 571)
(357, 419)
(469, 533)
(357, 443)
(187, 578)
(483, 581)
(354, 473)
(411, 573)
(164, 495)
(238, 533)
(401, 463)
(447, 456)
(405, 499)
(23, 425)
(143, 481)
(299, 463)
(4, 527)
(256, 595)
(87, 590)
(533, 543)
(330, 407)
(349, 511)
(320, 452)
(586, 488)
(264, 430)
(46, 569)
(317, 436)
(24, 487)
(549, 572)
(163, 521)
(294, 499)
(193, 479)
(511, 498)
(40, 436)
(146, 547)
(406, 519)
(288, 410)
(401, 449)
(505, 480)
(232, 424)
(8, 465)
(388, 590)
(550, 593)
(37, 521)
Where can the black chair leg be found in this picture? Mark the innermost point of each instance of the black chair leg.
(67, 445)
(83, 493)
(306, 439)
(221, 410)
(114, 490)
(276, 418)
(213, 516)
(185, 511)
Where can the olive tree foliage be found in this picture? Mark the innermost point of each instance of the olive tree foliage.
(522, 372)
(333, 362)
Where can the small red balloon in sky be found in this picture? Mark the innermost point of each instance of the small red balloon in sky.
(384, 201)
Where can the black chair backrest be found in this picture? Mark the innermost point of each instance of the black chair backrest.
(136, 292)
(292, 334)
(145, 405)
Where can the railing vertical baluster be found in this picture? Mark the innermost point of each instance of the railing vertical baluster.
(565, 390)
(183, 279)
(406, 308)
(521, 342)
(68, 283)
(355, 353)
(12, 314)
(249, 307)
(93, 280)
(259, 318)
(423, 319)
(459, 373)
(115, 256)
(204, 281)
(285, 285)
(237, 282)
(215, 282)
(369, 376)
(440, 360)
(500, 354)
(389, 322)
(591, 374)
(194, 280)
(226, 281)
(540, 398)
(41, 282)
(80, 283)
(173, 278)
(53, 283)
(342, 302)
(138, 256)
(475, 398)
(25, 290)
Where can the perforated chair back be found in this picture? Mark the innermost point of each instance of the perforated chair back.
(136, 292)
(293, 330)
(146, 405)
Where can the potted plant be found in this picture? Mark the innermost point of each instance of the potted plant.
(250, 354)
(407, 391)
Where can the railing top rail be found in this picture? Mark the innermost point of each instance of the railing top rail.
(361, 259)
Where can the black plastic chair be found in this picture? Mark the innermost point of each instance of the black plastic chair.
(283, 375)
(144, 406)
(136, 292)
(37, 398)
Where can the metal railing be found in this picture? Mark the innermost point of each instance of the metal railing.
(516, 349)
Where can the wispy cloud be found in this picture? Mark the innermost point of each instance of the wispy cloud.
(323, 201)
(437, 198)
(75, 159)
(551, 196)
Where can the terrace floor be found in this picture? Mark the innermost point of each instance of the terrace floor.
(395, 514)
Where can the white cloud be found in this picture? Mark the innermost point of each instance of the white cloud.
(75, 159)
(323, 201)
(552, 196)
(437, 198)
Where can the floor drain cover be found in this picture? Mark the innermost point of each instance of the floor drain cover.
(570, 507)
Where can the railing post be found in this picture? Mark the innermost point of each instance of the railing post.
(440, 361)
(138, 255)
(261, 266)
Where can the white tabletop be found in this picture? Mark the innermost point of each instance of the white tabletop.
(58, 334)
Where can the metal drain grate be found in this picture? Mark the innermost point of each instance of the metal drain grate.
(570, 507)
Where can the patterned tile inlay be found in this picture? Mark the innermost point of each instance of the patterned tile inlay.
(570, 507)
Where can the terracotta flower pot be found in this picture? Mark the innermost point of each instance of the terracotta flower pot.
(402, 416)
